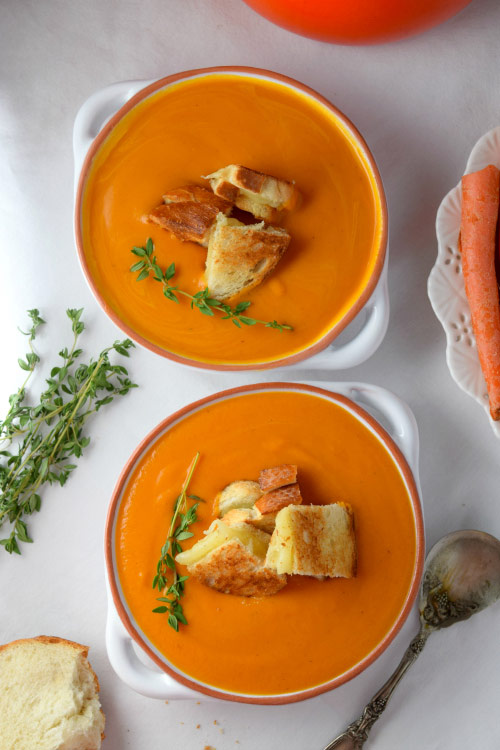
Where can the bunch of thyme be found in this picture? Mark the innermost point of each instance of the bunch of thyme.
(182, 518)
(201, 300)
(38, 439)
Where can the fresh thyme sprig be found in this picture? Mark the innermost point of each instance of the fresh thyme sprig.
(201, 300)
(39, 439)
(182, 518)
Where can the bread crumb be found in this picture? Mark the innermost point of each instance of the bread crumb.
(198, 726)
(166, 702)
(208, 747)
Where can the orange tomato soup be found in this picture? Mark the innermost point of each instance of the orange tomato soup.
(190, 129)
(311, 631)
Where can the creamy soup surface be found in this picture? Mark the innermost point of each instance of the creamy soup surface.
(191, 129)
(311, 631)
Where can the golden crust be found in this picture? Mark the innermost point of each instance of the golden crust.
(241, 256)
(314, 540)
(189, 213)
(277, 476)
(189, 221)
(274, 501)
(233, 569)
(261, 194)
(198, 194)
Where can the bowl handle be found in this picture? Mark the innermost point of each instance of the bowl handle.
(363, 343)
(95, 112)
(144, 680)
(393, 414)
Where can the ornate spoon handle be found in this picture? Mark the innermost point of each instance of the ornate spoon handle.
(356, 733)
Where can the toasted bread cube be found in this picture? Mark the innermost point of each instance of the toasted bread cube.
(314, 540)
(274, 501)
(189, 213)
(240, 494)
(231, 559)
(277, 476)
(261, 194)
(240, 256)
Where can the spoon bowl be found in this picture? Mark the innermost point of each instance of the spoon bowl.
(461, 577)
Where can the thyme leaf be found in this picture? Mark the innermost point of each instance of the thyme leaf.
(167, 579)
(148, 266)
(37, 441)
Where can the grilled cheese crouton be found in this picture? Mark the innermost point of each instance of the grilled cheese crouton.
(240, 494)
(314, 540)
(240, 256)
(261, 194)
(189, 213)
(49, 696)
(232, 569)
(231, 559)
(277, 476)
(198, 194)
(263, 514)
(274, 501)
(251, 516)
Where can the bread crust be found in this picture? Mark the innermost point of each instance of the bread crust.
(198, 194)
(188, 221)
(241, 256)
(274, 501)
(314, 540)
(261, 194)
(233, 569)
(56, 640)
(189, 212)
(277, 476)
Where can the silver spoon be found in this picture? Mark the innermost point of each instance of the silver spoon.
(461, 577)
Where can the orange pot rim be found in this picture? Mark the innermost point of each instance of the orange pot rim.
(336, 329)
(301, 695)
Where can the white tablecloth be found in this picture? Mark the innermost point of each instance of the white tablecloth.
(421, 104)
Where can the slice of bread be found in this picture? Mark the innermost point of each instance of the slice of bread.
(314, 540)
(261, 194)
(231, 559)
(49, 696)
(277, 476)
(240, 256)
(189, 213)
(240, 494)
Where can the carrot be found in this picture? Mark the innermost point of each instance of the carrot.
(480, 204)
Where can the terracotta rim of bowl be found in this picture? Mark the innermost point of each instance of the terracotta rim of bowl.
(413, 493)
(340, 325)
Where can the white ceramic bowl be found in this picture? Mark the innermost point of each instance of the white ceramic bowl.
(446, 284)
(132, 655)
(351, 341)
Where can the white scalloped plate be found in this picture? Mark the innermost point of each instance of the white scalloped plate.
(446, 285)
